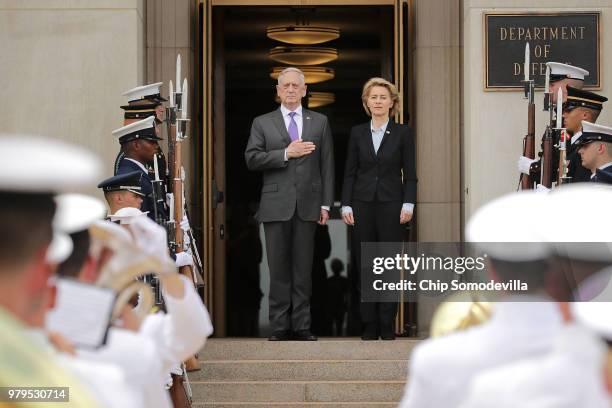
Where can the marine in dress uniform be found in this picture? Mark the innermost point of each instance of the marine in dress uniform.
(595, 148)
(442, 368)
(561, 76)
(139, 141)
(578, 106)
(143, 102)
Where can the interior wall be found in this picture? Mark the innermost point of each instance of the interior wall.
(495, 122)
(64, 65)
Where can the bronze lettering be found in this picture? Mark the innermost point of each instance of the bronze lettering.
(512, 34)
(554, 33)
(574, 33)
(564, 33)
(536, 33)
(517, 68)
(546, 50)
(582, 32)
(537, 51)
(503, 34)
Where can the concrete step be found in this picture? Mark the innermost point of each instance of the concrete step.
(296, 391)
(300, 370)
(247, 404)
(324, 349)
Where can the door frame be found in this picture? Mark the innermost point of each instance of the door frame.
(211, 123)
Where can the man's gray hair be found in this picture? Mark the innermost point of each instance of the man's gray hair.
(291, 69)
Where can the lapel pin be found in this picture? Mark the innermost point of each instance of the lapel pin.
(387, 132)
(307, 117)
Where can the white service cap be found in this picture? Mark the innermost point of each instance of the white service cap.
(43, 165)
(151, 91)
(143, 129)
(76, 212)
(508, 228)
(559, 71)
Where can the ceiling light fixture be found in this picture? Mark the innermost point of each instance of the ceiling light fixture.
(302, 35)
(318, 99)
(303, 55)
(312, 75)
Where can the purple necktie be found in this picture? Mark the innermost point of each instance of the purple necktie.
(293, 129)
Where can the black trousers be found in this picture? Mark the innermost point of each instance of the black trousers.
(376, 222)
(289, 246)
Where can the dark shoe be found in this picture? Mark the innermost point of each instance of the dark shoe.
(281, 335)
(388, 336)
(367, 337)
(304, 335)
(370, 332)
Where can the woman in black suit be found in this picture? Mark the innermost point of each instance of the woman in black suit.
(379, 189)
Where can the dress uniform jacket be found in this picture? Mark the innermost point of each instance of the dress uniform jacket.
(603, 176)
(441, 369)
(570, 376)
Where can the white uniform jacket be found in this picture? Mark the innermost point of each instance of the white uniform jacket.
(570, 376)
(441, 369)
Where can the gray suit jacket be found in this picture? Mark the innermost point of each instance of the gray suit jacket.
(306, 183)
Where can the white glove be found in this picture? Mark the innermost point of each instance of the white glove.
(183, 259)
(185, 224)
(541, 189)
(524, 163)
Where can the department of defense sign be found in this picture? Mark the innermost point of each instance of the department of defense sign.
(570, 38)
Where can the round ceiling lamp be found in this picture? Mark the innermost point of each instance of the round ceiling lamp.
(318, 99)
(302, 35)
(303, 55)
(312, 75)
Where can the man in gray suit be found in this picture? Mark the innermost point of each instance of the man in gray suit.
(294, 149)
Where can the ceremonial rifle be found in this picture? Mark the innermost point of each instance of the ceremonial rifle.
(529, 139)
(547, 139)
(563, 137)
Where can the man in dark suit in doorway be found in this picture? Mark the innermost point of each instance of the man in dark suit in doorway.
(294, 149)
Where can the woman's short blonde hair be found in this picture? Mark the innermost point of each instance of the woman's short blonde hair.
(372, 82)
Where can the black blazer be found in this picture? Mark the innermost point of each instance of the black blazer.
(370, 176)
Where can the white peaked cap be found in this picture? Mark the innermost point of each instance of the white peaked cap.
(127, 215)
(45, 165)
(133, 128)
(588, 127)
(585, 238)
(76, 212)
(141, 92)
(59, 249)
(568, 71)
(507, 228)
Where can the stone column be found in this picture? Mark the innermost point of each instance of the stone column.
(437, 59)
